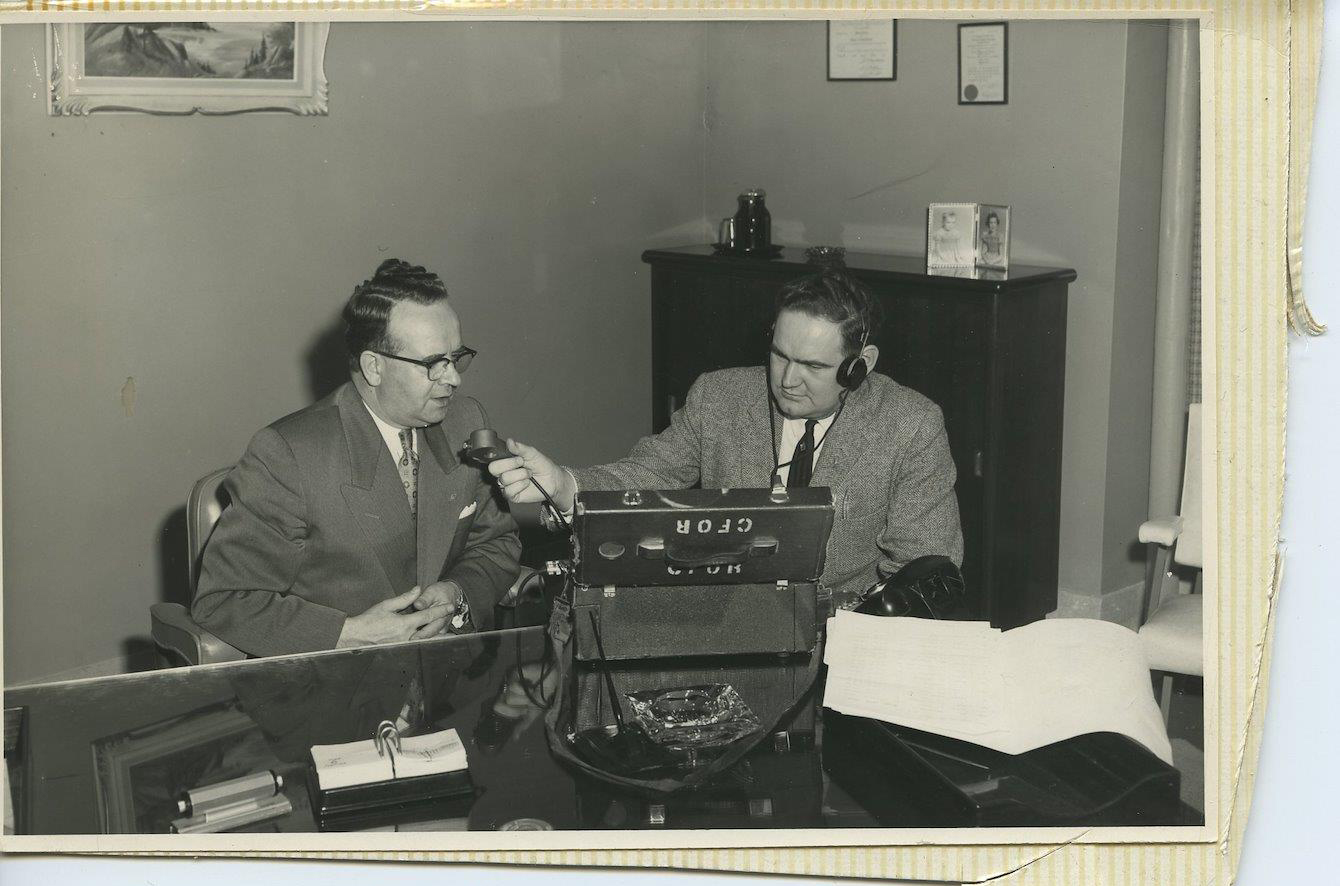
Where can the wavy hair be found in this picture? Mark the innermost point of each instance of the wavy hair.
(834, 296)
(368, 310)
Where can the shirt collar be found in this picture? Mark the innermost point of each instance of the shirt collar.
(390, 433)
(820, 425)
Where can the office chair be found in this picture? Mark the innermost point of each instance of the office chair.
(180, 641)
(1172, 621)
(176, 635)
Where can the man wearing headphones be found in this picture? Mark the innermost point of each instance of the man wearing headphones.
(816, 416)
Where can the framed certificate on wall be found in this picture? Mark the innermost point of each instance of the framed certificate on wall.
(983, 64)
(863, 49)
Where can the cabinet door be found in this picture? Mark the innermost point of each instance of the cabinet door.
(938, 344)
(703, 322)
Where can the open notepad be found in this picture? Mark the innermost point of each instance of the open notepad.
(362, 762)
(1012, 691)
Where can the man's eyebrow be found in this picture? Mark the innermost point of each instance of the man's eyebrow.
(813, 364)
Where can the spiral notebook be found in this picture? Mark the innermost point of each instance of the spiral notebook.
(389, 770)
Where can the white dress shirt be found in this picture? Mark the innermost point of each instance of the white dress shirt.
(391, 434)
(792, 430)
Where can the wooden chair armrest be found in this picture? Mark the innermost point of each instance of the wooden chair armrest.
(1162, 532)
(175, 632)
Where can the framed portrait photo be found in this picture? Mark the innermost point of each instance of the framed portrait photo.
(950, 235)
(863, 49)
(983, 63)
(219, 67)
(993, 236)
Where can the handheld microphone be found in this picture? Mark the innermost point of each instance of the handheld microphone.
(485, 446)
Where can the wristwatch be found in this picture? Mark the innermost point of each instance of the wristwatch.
(460, 622)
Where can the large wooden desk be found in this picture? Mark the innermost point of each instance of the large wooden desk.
(111, 755)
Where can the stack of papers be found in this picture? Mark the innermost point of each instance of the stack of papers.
(359, 762)
(1011, 691)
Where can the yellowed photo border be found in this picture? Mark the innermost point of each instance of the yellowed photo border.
(1259, 63)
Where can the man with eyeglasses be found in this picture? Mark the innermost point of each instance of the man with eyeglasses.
(353, 521)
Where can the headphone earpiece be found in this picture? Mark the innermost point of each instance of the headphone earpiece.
(852, 371)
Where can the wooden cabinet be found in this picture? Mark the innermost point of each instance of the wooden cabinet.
(989, 352)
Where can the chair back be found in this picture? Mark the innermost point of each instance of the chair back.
(204, 506)
(1188, 549)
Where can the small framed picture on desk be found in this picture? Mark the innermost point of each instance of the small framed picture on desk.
(863, 49)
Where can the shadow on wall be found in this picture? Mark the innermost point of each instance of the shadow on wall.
(327, 364)
(174, 582)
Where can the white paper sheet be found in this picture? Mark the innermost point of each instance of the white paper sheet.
(356, 762)
(1011, 691)
(430, 754)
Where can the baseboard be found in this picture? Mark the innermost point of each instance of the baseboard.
(1120, 606)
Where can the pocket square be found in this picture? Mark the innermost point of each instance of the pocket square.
(468, 510)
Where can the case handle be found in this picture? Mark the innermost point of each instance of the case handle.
(691, 557)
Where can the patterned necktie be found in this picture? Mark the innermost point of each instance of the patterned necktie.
(802, 460)
(408, 465)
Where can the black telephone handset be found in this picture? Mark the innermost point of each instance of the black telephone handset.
(927, 587)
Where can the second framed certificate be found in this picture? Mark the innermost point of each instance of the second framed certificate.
(863, 49)
(983, 64)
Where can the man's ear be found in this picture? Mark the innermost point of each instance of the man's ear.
(870, 354)
(371, 366)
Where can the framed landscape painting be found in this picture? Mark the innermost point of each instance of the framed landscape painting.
(220, 67)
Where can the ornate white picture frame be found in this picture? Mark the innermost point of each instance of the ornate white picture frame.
(187, 68)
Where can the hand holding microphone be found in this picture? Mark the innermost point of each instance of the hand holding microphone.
(524, 473)
(516, 473)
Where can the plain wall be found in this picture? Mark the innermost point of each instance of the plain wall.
(1131, 407)
(170, 284)
(874, 154)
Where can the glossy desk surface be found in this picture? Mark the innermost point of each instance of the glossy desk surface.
(112, 755)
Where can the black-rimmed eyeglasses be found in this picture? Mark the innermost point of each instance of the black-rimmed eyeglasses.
(437, 367)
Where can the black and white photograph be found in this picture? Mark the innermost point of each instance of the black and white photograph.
(993, 237)
(951, 235)
(579, 433)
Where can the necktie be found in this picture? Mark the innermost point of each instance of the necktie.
(802, 460)
(408, 465)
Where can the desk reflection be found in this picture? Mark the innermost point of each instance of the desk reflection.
(113, 755)
(155, 735)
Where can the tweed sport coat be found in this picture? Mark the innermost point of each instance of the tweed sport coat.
(320, 529)
(886, 459)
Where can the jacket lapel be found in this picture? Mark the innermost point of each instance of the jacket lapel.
(375, 495)
(756, 442)
(848, 438)
(440, 504)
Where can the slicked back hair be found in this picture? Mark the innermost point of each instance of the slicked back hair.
(368, 310)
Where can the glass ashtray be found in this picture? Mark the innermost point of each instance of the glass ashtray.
(693, 717)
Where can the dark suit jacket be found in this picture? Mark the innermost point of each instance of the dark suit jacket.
(886, 458)
(319, 529)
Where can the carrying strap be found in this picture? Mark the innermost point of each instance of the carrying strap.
(561, 715)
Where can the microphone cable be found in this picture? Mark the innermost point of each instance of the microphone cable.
(549, 502)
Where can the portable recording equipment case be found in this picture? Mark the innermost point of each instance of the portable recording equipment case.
(700, 572)
(642, 538)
